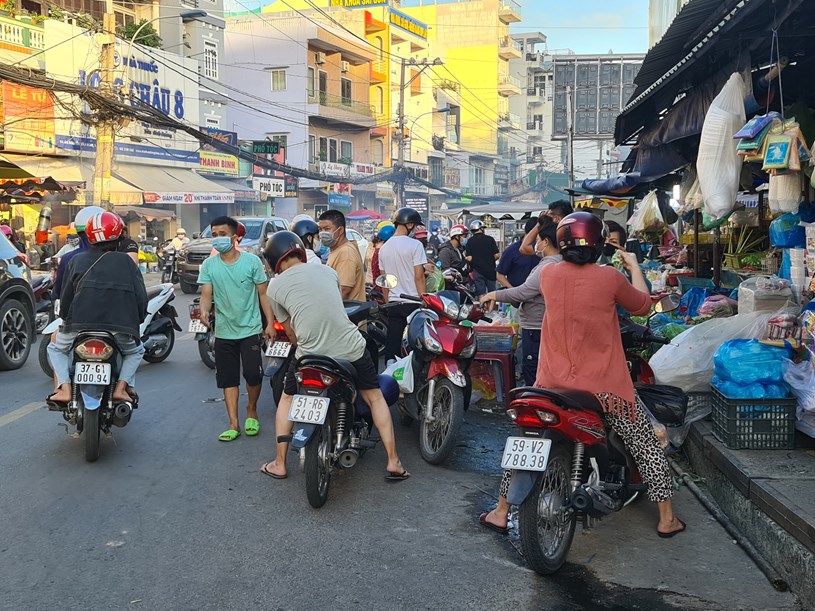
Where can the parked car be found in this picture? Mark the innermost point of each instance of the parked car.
(191, 256)
(17, 333)
(355, 236)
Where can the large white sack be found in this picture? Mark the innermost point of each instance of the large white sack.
(718, 164)
(785, 192)
(687, 362)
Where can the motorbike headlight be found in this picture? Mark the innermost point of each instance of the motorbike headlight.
(450, 308)
(464, 311)
(469, 349)
(432, 344)
(182, 255)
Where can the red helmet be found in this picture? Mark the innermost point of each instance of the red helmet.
(458, 230)
(6, 230)
(420, 232)
(241, 231)
(581, 229)
(104, 227)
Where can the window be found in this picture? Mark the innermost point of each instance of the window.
(311, 83)
(332, 150)
(379, 152)
(436, 170)
(346, 91)
(312, 149)
(380, 100)
(477, 176)
(212, 121)
(281, 139)
(346, 150)
(323, 149)
(279, 79)
(211, 59)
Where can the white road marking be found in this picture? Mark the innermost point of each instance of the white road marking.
(20, 412)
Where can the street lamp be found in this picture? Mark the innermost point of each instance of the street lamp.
(424, 114)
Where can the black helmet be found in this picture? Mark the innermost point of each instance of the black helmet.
(407, 216)
(280, 246)
(305, 227)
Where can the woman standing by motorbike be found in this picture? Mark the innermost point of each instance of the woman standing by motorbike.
(583, 351)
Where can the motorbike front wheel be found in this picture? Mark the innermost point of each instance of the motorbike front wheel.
(90, 431)
(545, 522)
(318, 465)
(207, 353)
(437, 438)
(45, 364)
(160, 356)
(166, 276)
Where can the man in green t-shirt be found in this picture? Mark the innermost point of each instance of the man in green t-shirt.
(238, 281)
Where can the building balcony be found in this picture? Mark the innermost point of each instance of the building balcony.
(535, 95)
(373, 25)
(21, 37)
(378, 71)
(534, 129)
(482, 190)
(509, 11)
(509, 48)
(508, 85)
(337, 109)
(509, 120)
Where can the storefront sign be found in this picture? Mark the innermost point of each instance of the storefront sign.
(339, 200)
(358, 3)
(384, 190)
(346, 170)
(273, 187)
(28, 117)
(218, 164)
(188, 198)
(452, 178)
(146, 76)
(265, 147)
(409, 24)
(291, 184)
(419, 204)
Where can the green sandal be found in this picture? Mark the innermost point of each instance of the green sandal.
(251, 426)
(230, 435)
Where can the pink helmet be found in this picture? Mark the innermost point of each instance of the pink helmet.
(6, 230)
(420, 232)
(458, 230)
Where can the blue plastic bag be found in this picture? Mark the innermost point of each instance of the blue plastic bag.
(807, 212)
(784, 272)
(734, 390)
(786, 232)
(748, 361)
(691, 300)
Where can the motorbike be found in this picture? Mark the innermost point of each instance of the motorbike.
(332, 423)
(44, 306)
(566, 463)
(442, 350)
(205, 336)
(94, 369)
(166, 261)
(280, 354)
(157, 329)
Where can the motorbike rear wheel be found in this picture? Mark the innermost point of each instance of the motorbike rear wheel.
(207, 354)
(437, 438)
(318, 465)
(545, 525)
(166, 276)
(161, 356)
(187, 288)
(90, 432)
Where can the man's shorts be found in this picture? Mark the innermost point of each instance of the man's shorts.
(230, 353)
(366, 378)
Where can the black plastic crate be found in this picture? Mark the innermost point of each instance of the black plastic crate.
(754, 424)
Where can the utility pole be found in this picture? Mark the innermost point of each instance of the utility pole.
(570, 135)
(104, 130)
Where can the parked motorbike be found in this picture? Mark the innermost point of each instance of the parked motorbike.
(44, 306)
(166, 260)
(205, 336)
(157, 330)
(566, 463)
(280, 355)
(95, 366)
(442, 350)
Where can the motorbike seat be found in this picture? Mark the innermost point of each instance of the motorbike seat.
(358, 311)
(37, 281)
(154, 291)
(567, 397)
(339, 366)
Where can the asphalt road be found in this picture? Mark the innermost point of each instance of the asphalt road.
(171, 518)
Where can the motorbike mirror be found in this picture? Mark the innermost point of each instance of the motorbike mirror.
(387, 281)
(669, 303)
(196, 235)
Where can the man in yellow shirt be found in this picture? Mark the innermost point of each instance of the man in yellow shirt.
(344, 258)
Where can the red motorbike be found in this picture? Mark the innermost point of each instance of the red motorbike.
(567, 462)
(441, 343)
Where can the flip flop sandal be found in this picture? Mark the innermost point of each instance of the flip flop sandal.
(483, 520)
(264, 469)
(251, 427)
(674, 532)
(230, 435)
(394, 476)
(55, 406)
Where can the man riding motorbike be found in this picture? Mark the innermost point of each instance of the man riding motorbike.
(180, 240)
(102, 291)
(79, 225)
(308, 231)
(451, 253)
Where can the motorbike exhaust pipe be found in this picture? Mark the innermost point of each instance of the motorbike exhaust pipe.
(348, 458)
(121, 414)
(581, 501)
(154, 343)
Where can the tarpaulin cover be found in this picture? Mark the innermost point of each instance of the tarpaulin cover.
(618, 184)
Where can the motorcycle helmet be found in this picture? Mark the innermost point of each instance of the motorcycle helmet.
(83, 215)
(476, 226)
(104, 227)
(280, 246)
(581, 237)
(241, 231)
(305, 227)
(181, 231)
(458, 230)
(407, 216)
(420, 232)
(385, 230)
(6, 230)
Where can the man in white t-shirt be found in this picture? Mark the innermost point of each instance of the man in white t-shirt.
(403, 257)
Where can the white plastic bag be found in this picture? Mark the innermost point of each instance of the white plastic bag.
(718, 163)
(402, 372)
(785, 192)
(687, 362)
(801, 378)
(647, 218)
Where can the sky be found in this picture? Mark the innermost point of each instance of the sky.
(598, 25)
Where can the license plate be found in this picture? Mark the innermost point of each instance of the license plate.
(526, 454)
(278, 349)
(196, 326)
(92, 373)
(311, 410)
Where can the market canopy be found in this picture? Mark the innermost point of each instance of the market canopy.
(505, 211)
(364, 215)
(173, 185)
(148, 214)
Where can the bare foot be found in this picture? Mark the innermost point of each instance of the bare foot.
(273, 469)
(396, 467)
(675, 525)
(62, 395)
(493, 518)
(122, 396)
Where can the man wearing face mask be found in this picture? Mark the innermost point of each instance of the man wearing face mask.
(237, 280)
(71, 243)
(308, 231)
(404, 257)
(344, 258)
(451, 253)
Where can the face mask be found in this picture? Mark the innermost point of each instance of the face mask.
(609, 250)
(323, 252)
(222, 244)
(316, 246)
(327, 238)
(73, 241)
(464, 241)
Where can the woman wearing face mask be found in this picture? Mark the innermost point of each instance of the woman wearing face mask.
(529, 295)
(308, 231)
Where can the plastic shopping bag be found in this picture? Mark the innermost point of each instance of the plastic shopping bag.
(787, 232)
(801, 379)
(647, 218)
(402, 372)
(748, 361)
(718, 163)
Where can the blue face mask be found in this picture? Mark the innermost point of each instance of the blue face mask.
(222, 244)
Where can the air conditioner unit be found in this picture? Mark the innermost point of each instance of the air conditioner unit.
(319, 57)
(345, 66)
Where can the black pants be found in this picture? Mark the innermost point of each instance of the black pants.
(397, 321)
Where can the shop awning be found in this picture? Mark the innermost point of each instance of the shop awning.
(148, 214)
(74, 170)
(242, 192)
(173, 185)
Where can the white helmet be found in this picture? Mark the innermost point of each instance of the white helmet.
(84, 215)
(476, 225)
(457, 230)
(301, 217)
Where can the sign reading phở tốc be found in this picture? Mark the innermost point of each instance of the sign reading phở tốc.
(273, 187)
(145, 76)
